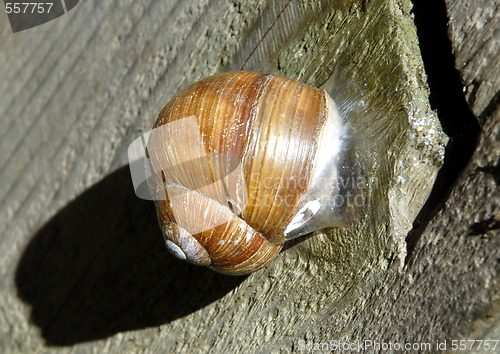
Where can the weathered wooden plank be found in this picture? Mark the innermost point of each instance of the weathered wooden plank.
(474, 29)
(83, 256)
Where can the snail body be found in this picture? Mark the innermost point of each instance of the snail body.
(242, 162)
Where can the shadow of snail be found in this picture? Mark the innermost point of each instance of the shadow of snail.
(99, 267)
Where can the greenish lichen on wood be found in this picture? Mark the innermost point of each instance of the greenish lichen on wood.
(370, 53)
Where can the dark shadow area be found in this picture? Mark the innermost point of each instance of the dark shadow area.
(447, 98)
(100, 267)
(483, 227)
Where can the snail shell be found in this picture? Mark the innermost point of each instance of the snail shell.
(241, 162)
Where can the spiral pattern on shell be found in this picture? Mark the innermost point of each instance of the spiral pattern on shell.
(232, 157)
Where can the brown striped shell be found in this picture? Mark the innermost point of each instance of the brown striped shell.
(233, 157)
